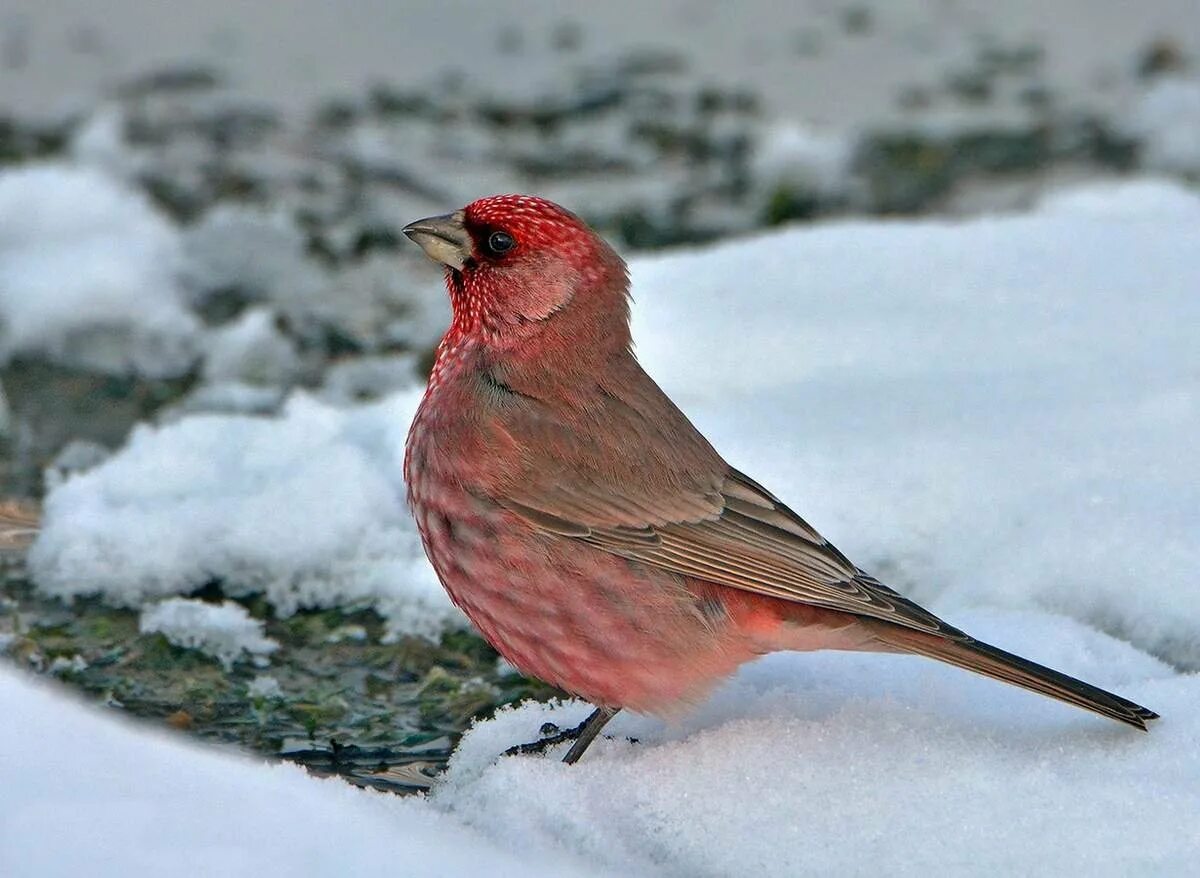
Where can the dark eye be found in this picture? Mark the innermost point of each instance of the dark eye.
(500, 242)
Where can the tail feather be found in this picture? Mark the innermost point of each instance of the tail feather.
(983, 658)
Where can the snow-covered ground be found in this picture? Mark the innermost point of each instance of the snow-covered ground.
(89, 274)
(818, 764)
(225, 631)
(307, 508)
(90, 795)
(997, 416)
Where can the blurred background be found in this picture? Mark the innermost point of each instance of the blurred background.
(200, 207)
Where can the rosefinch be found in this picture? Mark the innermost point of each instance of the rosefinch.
(586, 527)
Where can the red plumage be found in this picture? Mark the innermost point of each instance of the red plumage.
(586, 527)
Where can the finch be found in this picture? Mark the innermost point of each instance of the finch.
(589, 531)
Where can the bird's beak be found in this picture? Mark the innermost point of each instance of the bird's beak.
(443, 238)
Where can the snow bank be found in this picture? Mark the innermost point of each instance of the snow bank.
(307, 508)
(1166, 119)
(89, 274)
(803, 764)
(252, 350)
(843, 764)
(104, 798)
(224, 631)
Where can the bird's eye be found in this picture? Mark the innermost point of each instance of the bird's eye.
(500, 242)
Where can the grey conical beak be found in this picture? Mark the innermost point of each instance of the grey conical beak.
(443, 238)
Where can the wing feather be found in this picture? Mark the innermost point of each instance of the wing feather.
(622, 469)
(753, 543)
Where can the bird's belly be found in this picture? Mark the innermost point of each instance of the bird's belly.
(603, 628)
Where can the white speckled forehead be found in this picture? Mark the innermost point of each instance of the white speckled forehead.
(527, 208)
(531, 220)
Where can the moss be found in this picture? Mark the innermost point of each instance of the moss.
(360, 693)
(788, 204)
(904, 173)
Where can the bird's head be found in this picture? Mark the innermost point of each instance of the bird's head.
(520, 268)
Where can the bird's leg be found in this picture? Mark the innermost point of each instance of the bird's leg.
(586, 732)
(582, 734)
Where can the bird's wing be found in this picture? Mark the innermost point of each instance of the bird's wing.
(752, 542)
(638, 480)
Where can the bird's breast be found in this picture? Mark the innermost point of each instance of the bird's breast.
(572, 615)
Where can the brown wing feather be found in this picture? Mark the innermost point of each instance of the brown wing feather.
(761, 547)
(623, 469)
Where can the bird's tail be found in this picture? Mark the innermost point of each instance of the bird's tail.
(983, 658)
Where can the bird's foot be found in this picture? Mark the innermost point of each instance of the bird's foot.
(582, 734)
(551, 735)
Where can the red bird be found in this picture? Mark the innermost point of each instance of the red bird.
(587, 528)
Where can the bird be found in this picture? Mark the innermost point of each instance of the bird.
(589, 531)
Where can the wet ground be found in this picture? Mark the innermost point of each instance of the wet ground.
(384, 715)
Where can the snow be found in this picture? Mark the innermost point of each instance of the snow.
(837, 763)
(367, 377)
(89, 274)
(264, 687)
(811, 160)
(99, 142)
(76, 664)
(819, 764)
(106, 798)
(257, 252)
(307, 508)
(226, 397)
(1166, 118)
(225, 631)
(997, 416)
(76, 456)
(1144, 198)
(252, 350)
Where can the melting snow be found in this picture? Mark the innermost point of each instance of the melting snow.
(224, 631)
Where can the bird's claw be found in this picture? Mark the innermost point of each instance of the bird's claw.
(582, 735)
(551, 735)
